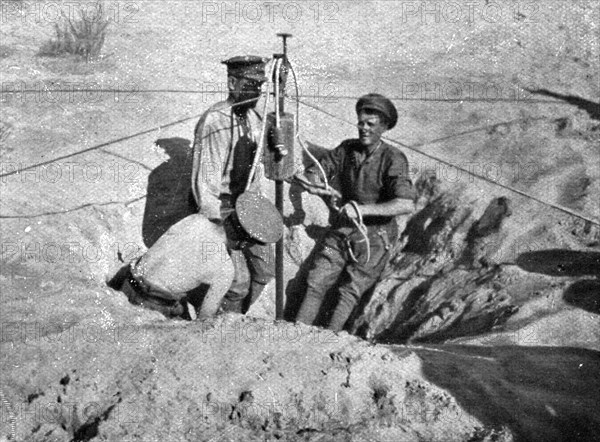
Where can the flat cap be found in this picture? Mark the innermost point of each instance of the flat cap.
(381, 104)
(247, 66)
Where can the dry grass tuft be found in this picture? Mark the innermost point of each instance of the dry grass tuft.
(82, 35)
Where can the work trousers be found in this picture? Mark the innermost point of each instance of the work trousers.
(253, 269)
(333, 265)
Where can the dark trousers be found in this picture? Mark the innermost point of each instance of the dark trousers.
(253, 269)
(333, 265)
(253, 263)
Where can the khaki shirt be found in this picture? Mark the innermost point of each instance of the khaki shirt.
(224, 149)
(367, 179)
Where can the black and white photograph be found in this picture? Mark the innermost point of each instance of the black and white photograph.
(303, 221)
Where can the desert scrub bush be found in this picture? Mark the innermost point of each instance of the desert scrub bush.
(82, 34)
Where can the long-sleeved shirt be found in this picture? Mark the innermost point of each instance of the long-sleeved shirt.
(224, 147)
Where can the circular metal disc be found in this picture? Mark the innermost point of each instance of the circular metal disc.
(259, 217)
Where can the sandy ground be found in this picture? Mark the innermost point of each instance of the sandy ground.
(75, 352)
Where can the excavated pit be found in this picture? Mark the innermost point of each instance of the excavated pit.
(82, 363)
(485, 325)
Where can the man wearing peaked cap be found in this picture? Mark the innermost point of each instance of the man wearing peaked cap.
(245, 75)
(247, 66)
(379, 104)
(225, 143)
(373, 187)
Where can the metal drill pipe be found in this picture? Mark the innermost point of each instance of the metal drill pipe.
(279, 289)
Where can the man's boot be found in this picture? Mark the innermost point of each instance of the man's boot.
(232, 302)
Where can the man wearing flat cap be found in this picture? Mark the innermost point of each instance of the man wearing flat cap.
(225, 143)
(372, 188)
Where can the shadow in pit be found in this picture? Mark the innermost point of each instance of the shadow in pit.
(591, 107)
(169, 197)
(560, 262)
(584, 294)
(402, 329)
(539, 393)
(296, 287)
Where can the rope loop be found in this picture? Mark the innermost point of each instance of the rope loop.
(360, 228)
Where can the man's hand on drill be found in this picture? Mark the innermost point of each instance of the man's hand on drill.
(350, 210)
(315, 189)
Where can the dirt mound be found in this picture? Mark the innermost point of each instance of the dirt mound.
(165, 381)
(513, 99)
(468, 263)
